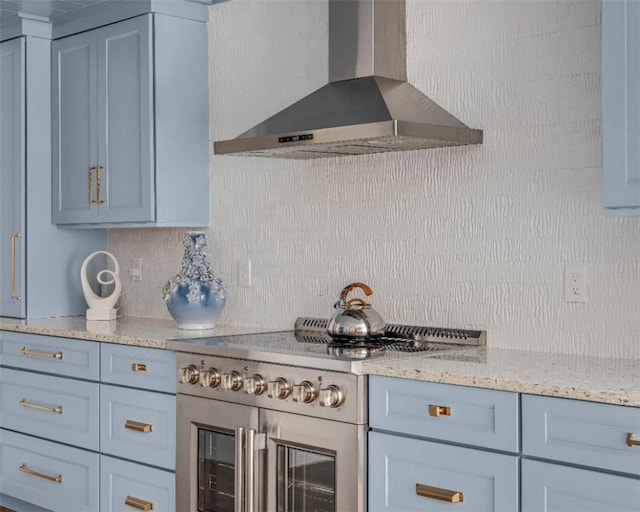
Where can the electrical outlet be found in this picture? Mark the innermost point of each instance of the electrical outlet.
(244, 273)
(574, 284)
(135, 272)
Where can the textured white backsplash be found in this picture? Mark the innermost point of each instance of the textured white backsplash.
(475, 237)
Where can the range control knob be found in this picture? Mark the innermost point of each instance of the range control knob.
(279, 388)
(231, 381)
(304, 392)
(189, 374)
(210, 378)
(254, 385)
(331, 396)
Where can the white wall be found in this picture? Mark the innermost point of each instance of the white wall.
(473, 237)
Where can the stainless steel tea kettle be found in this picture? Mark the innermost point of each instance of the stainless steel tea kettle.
(355, 318)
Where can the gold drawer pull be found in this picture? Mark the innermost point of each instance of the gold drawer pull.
(138, 503)
(138, 367)
(14, 295)
(29, 405)
(437, 493)
(90, 198)
(138, 427)
(28, 471)
(632, 441)
(439, 410)
(27, 352)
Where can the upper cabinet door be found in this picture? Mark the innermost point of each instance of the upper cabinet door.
(621, 105)
(103, 139)
(12, 178)
(125, 107)
(131, 124)
(75, 115)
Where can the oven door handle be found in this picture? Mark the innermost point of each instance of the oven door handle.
(255, 441)
(239, 481)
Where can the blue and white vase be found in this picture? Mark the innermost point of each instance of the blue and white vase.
(195, 297)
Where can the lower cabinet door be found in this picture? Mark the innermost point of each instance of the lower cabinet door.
(50, 475)
(138, 425)
(126, 486)
(413, 475)
(554, 488)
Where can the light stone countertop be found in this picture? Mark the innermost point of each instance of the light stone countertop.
(596, 379)
(605, 380)
(143, 332)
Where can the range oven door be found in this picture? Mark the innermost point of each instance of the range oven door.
(211, 454)
(313, 464)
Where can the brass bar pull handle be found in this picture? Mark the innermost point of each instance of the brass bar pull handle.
(99, 184)
(632, 441)
(439, 410)
(28, 471)
(437, 493)
(138, 367)
(138, 427)
(138, 503)
(53, 355)
(14, 295)
(29, 405)
(90, 198)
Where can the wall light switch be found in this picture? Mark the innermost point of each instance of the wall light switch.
(244, 273)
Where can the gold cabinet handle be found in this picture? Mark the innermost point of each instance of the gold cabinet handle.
(138, 367)
(439, 410)
(26, 352)
(99, 184)
(14, 295)
(90, 198)
(44, 408)
(138, 427)
(138, 503)
(437, 493)
(632, 441)
(28, 471)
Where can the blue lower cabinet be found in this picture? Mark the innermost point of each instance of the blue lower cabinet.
(126, 486)
(55, 408)
(138, 425)
(409, 474)
(555, 488)
(49, 475)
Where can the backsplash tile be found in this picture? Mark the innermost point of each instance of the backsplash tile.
(472, 237)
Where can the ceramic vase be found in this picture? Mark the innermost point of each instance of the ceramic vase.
(195, 296)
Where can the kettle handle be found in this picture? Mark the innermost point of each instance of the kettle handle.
(356, 300)
(345, 291)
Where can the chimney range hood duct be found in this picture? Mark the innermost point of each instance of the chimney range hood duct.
(368, 106)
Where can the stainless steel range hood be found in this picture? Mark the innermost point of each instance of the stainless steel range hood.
(368, 106)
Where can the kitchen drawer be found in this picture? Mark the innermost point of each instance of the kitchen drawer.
(56, 408)
(125, 486)
(138, 425)
(139, 367)
(53, 476)
(586, 433)
(398, 466)
(60, 356)
(554, 488)
(479, 417)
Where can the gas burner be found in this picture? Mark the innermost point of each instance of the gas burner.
(356, 349)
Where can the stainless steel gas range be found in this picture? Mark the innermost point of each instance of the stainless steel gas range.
(278, 421)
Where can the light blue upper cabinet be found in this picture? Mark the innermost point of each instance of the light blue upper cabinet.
(12, 173)
(131, 125)
(621, 105)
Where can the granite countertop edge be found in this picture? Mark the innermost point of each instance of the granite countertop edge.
(596, 379)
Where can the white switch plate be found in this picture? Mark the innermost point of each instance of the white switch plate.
(135, 272)
(574, 284)
(244, 273)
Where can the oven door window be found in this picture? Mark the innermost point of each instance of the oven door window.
(306, 480)
(216, 468)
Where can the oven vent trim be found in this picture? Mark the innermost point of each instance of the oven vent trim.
(433, 334)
